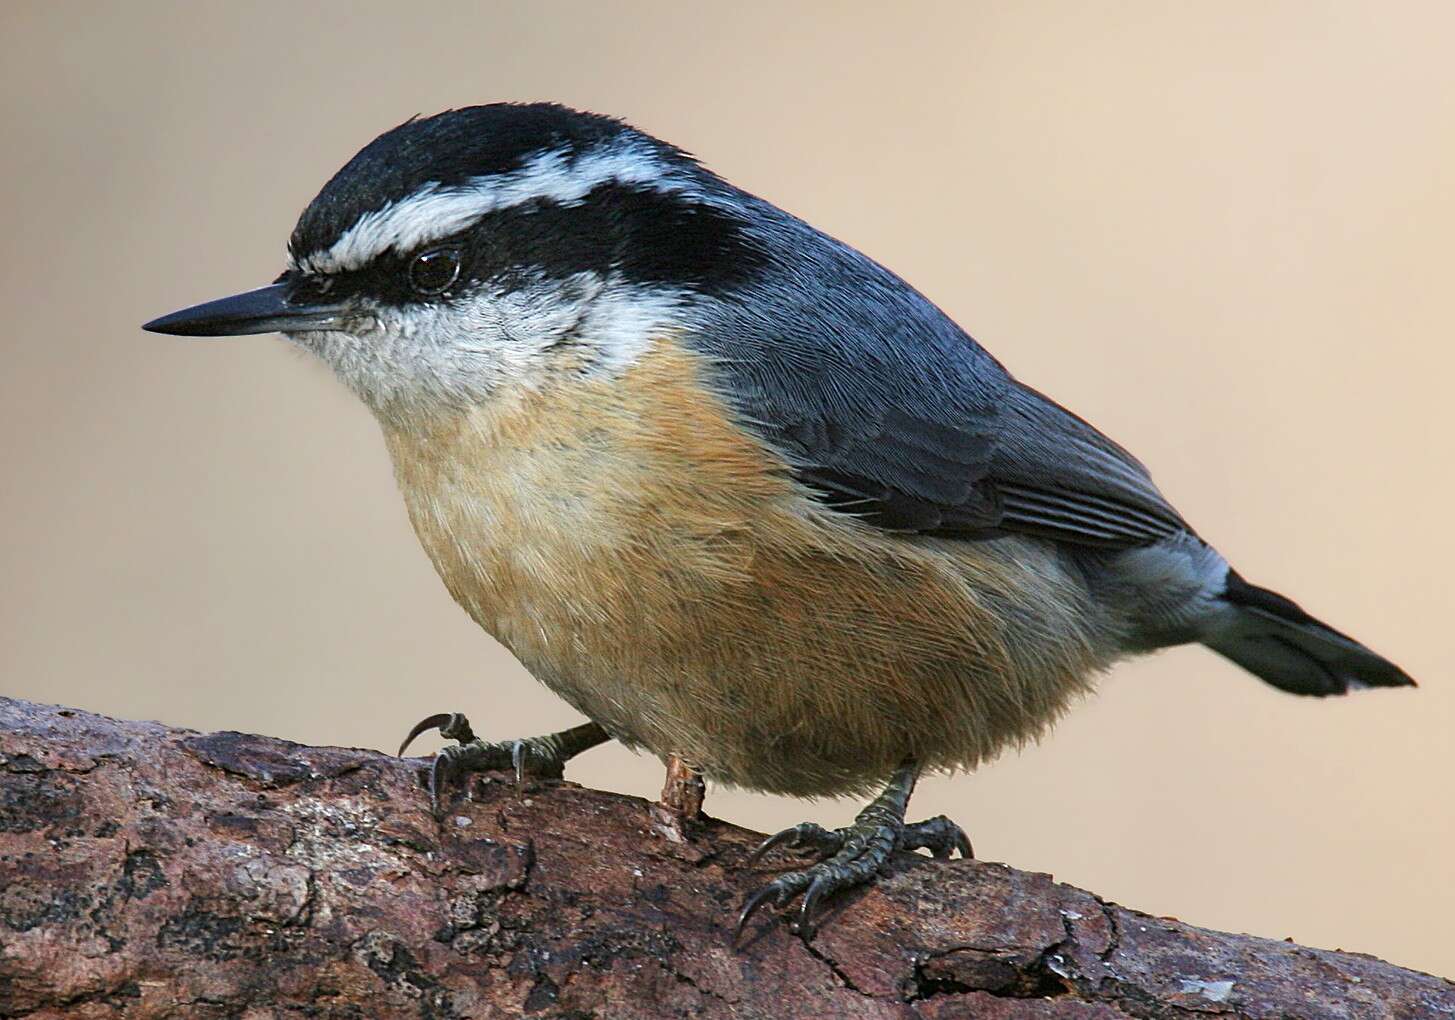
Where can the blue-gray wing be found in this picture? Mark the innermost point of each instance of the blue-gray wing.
(889, 411)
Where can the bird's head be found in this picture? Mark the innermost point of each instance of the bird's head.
(492, 247)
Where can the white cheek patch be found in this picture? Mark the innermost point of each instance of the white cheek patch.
(623, 321)
(435, 211)
(462, 354)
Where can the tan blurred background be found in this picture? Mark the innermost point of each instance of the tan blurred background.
(1221, 232)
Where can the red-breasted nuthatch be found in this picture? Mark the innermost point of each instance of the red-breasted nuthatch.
(736, 492)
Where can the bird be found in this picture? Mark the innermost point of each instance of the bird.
(736, 492)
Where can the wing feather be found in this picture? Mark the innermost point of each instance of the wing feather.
(888, 411)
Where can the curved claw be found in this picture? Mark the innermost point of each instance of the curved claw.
(437, 721)
(800, 835)
(777, 839)
(856, 855)
(517, 759)
(441, 761)
(945, 848)
(824, 883)
(940, 836)
(754, 902)
(962, 844)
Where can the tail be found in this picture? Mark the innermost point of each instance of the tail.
(1275, 640)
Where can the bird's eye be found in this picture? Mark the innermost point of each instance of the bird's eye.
(433, 271)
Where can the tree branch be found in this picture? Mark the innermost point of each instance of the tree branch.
(154, 872)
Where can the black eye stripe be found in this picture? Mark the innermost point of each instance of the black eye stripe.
(638, 234)
(387, 278)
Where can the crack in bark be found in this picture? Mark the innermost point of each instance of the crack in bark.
(834, 968)
(1114, 942)
(995, 973)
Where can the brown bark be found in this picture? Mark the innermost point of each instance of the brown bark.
(153, 872)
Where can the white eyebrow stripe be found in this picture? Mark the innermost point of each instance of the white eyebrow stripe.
(436, 211)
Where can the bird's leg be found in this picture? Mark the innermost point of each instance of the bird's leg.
(854, 854)
(544, 756)
(681, 800)
(684, 789)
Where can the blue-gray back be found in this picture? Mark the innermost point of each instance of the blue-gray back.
(892, 412)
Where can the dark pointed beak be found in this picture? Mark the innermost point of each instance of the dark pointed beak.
(265, 310)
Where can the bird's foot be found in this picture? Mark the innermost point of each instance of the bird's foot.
(940, 836)
(544, 756)
(852, 855)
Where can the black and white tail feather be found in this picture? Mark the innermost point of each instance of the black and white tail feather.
(1274, 639)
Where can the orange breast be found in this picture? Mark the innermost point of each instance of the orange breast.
(660, 569)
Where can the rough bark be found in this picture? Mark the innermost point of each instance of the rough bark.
(155, 872)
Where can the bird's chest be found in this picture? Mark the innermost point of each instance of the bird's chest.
(645, 558)
(585, 525)
(520, 537)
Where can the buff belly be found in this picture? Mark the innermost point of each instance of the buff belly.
(662, 572)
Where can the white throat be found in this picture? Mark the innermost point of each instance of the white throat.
(426, 358)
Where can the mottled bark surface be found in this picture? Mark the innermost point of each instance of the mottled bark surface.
(153, 872)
